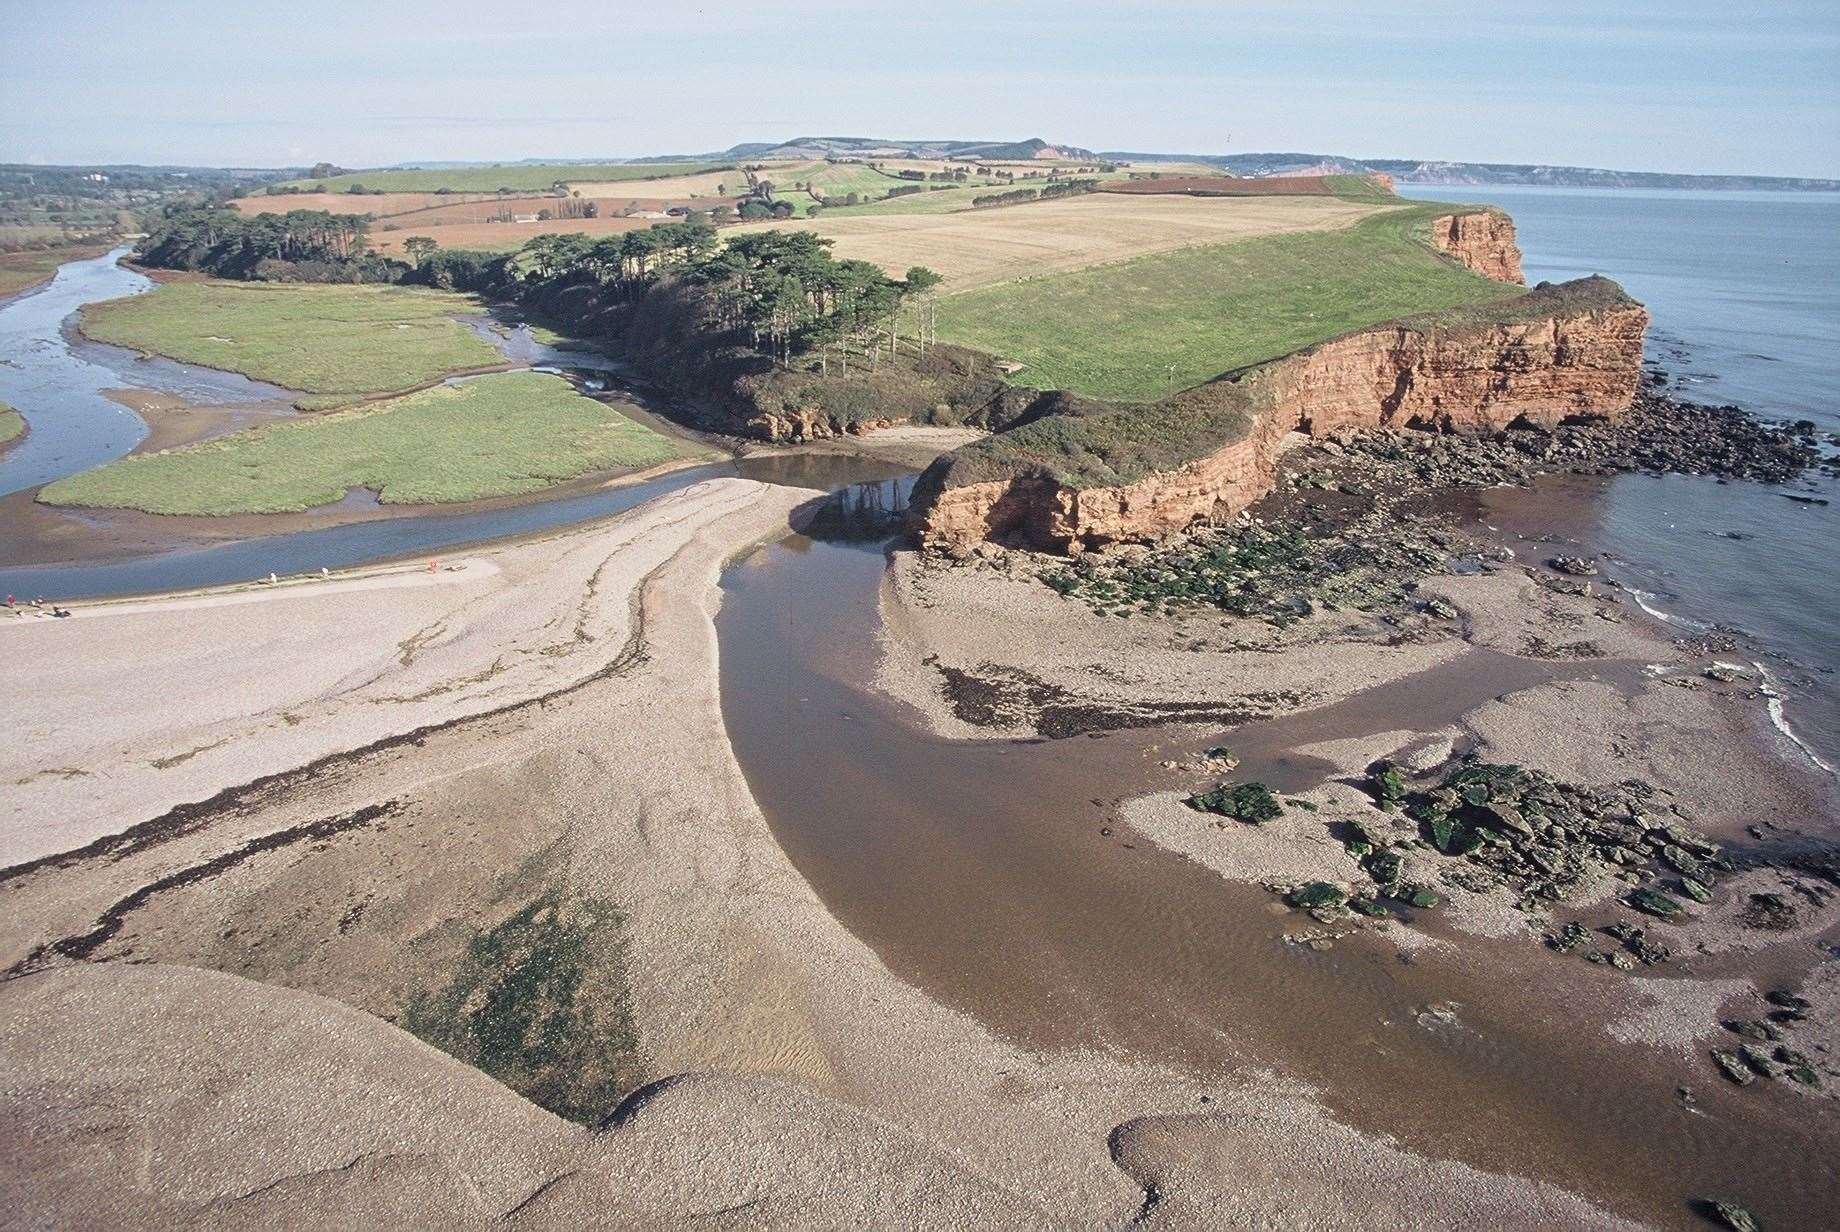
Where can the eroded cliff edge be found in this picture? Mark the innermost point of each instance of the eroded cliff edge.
(1100, 474)
(1483, 240)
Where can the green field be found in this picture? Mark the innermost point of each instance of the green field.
(1138, 330)
(346, 340)
(535, 176)
(943, 201)
(12, 425)
(497, 435)
(841, 179)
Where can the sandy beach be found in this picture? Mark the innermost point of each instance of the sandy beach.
(539, 727)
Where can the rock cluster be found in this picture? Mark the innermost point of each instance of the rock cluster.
(1504, 825)
(1250, 802)
(1344, 528)
(1277, 573)
(1764, 1054)
(1658, 435)
(1544, 838)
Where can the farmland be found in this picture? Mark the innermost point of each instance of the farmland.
(729, 183)
(982, 247)
(1140, 329)
(499, 435)
(345, 340)
(491, 178)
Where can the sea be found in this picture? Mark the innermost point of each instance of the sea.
(1744, 290)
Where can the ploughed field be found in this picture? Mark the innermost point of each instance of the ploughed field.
(342, 342)
(1141, 329)
(502, 434)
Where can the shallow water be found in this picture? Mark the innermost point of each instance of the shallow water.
(1744, 289)
(55, 378)
(979, 872)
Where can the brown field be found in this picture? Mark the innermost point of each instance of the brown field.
(1225, 186)
(381, 204)
(671, 188)
(976, 248)
(481, 209)
(499, 236)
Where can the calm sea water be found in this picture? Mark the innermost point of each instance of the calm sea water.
(1744, 289)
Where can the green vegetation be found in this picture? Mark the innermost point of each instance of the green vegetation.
(498, 435)
(1359, 188)
(540, 1002)
(1141, 329)
(533, 177)
(12, 424)
(318, 338)
(1249, 802)
(932, 201)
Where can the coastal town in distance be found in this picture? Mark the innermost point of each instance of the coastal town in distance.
(1246, 658)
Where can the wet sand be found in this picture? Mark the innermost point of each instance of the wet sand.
(172, 421)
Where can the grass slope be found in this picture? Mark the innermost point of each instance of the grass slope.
(321, 339)
(1137, 330)
(498, 435)
(491, 179)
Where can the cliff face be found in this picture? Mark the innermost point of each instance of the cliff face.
(1452, 373)
(1484, 241)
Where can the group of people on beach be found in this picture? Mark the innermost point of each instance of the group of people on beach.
(37, 605)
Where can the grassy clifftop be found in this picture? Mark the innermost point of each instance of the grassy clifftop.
(1137, 330)
(1095, 444)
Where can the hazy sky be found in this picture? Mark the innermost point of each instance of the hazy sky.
(1677, 85)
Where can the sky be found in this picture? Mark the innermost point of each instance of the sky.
(1679, 85)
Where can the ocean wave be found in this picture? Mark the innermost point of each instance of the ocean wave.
(1780, 718)
(1645, 599)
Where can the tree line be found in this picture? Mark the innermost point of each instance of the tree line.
(783, 294)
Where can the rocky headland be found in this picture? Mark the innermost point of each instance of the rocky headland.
(1091, 476)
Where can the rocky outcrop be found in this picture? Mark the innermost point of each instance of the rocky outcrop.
(1555, 353)
(1483, 240)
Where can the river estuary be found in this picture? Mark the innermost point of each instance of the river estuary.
(994, 875)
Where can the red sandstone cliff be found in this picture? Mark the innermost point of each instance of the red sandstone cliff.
(1555, 353)
(1484, 241)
